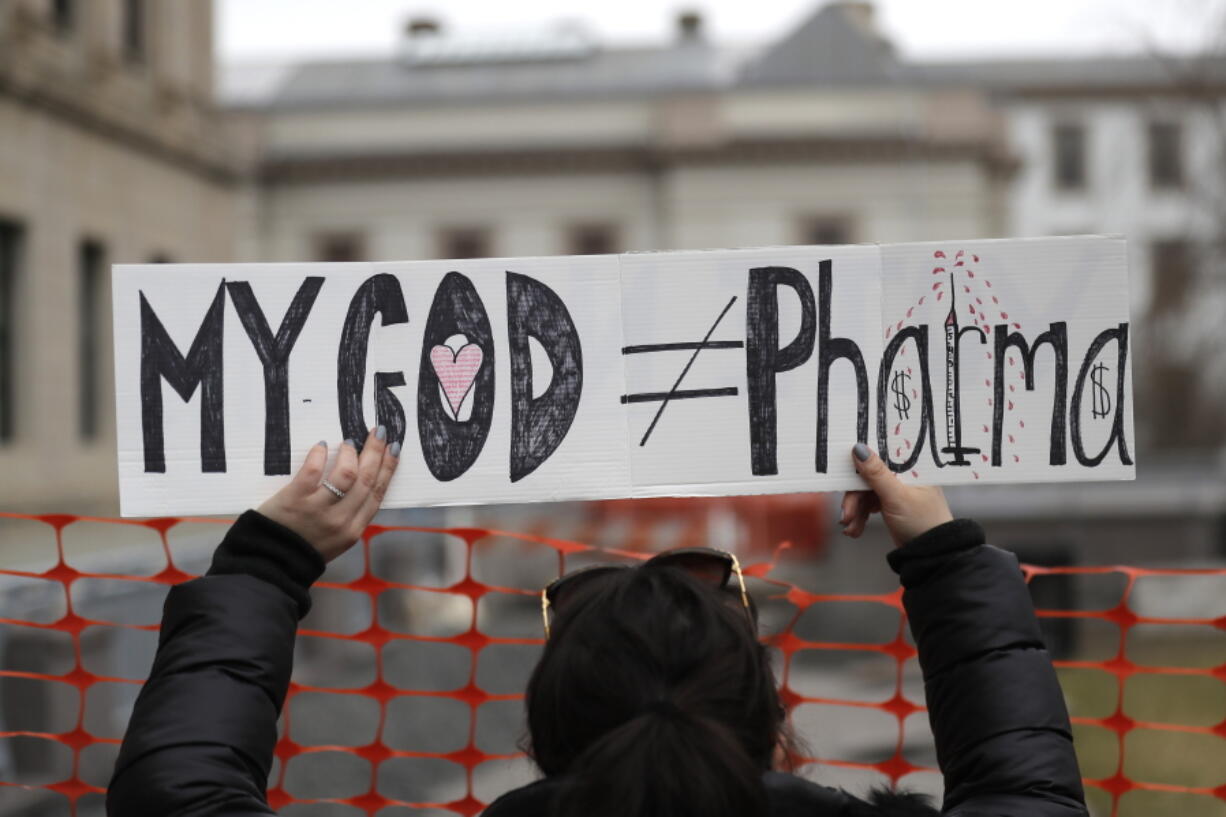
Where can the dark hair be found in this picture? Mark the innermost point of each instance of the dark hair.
(654, 697)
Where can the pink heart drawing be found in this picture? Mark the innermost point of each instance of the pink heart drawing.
(456, 371)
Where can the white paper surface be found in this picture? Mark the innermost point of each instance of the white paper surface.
(609, 412)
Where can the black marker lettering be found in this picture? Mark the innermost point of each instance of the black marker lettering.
(927, 427)
(764, 358)
(1119, 334)
(450, 446)
(378, 295)
(1057, 337)
(539, 426)
(829, 350)
(160, 359)
(274, 356)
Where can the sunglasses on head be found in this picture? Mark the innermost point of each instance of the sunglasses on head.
(711, 567)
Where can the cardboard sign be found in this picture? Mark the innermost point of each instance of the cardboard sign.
(587, 377)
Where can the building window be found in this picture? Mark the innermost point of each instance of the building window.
(1069, 146)
(592, 239)
(91, 268)
(64, 16)
(1171, 402)
(134, 31)
(340, 246)
(1172, 271)
(825, 230)
(1165, 155)
(465, 242)
(10, 257)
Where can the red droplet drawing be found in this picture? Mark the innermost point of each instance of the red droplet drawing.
(955, 330)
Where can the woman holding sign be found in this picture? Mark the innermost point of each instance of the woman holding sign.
(653, 695)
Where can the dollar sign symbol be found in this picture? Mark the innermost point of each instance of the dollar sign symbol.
(902, 403)
(1101, 398)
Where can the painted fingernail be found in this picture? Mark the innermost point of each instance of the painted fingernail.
(394, 449)
(349, 443)
(324, 443)
(381, 433)
(861, 451)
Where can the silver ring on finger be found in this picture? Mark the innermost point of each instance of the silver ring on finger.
(337, 492)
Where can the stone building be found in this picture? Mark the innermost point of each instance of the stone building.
(559, 144)
(1134, 146)
(109, 152)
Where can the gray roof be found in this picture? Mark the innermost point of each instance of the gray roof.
(833, 47)
(629, 72)
(1106, 72)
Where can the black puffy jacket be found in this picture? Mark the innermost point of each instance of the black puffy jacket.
(200, 742)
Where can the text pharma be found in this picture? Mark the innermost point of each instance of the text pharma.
(451, 442)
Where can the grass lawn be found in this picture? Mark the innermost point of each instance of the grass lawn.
(1177, 758)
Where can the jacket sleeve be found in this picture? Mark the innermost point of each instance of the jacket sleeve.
(201, 738)
(1003, 738)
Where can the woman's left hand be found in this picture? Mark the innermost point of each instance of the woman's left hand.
(331, 523)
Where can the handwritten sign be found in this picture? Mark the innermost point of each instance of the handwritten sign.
(586, 377)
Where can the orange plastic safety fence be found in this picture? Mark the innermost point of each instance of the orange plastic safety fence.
(899, 650)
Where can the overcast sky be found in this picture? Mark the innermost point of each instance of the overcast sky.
(258, 30)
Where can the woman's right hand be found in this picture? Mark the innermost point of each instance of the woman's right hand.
(331, 523)
(907, 510)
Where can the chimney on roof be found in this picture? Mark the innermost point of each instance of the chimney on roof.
(860, 12)
(418, 27)
(689, 26)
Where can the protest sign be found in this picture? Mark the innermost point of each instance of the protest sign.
(645, 374)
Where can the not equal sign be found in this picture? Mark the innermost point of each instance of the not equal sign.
(681, 394)
(676, 392)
